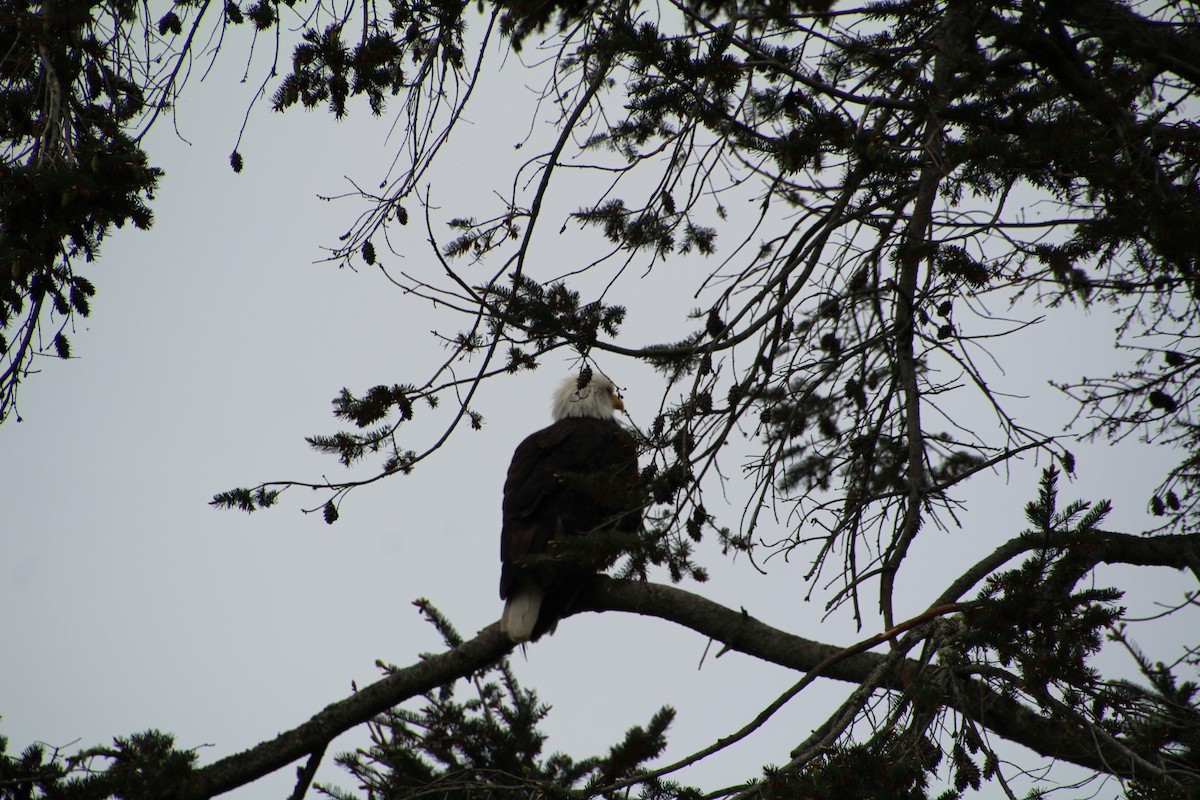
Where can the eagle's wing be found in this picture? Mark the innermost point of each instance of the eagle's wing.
(530, 516)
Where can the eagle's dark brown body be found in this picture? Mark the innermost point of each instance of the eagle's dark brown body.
(577, 476)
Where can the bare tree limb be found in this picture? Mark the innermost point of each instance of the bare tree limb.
(305, 774)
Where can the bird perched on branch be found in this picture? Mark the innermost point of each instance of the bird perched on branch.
(571, 500)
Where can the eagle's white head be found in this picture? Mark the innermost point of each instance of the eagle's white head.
(599, 399)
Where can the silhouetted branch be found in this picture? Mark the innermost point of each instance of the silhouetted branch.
(737, 630)
(337, 718)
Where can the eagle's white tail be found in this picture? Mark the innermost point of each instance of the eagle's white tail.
(521, 613)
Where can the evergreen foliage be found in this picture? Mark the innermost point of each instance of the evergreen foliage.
(489, 746)
(70, 168)
(146, 766)
(872, 772)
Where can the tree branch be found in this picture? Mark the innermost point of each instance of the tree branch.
(737, 630)
(335, 719)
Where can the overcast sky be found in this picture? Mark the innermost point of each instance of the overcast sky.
(215, 346)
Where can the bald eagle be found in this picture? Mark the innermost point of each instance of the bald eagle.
(578, 476)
